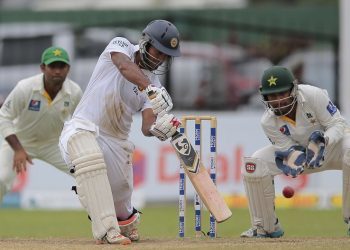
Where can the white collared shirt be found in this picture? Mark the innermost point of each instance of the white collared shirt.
(315, 111)
(30, 113)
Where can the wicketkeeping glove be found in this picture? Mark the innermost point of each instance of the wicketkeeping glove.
(160, 100)
(165, 127)
(292, 161)
(315, 150)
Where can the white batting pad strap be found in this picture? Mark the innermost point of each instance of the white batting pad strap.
(261, 195)
(93, 187)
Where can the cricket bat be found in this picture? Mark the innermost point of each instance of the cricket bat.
(200, 178)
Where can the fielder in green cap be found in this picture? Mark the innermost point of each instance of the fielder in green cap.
(54, 54)
(32, 118)
(307, 134)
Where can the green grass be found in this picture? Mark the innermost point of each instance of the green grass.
(162, 221)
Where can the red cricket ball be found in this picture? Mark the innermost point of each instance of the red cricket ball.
(288, 192)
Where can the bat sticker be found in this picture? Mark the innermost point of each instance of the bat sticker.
(186, 153)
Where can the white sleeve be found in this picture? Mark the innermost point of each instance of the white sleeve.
(120, 44)
(11, 109)
(146, 105)
(329, 116)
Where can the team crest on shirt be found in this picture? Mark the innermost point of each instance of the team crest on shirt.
(285, 130)
(332, 109)
(34, 105)
(250, 167)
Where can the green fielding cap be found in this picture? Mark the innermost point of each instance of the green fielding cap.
(54, 54)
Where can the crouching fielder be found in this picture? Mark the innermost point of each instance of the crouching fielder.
(308, 135)
(94, 143)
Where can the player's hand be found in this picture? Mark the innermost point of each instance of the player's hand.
(160, 100)
(315, 150)
(165, 127)
(20, 160)
(292, 161)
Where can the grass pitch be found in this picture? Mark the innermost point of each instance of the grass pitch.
(304, 229)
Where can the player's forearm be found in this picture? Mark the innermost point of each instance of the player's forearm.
(133, 74)
(148, 118)
(130, 70)
(14, 142)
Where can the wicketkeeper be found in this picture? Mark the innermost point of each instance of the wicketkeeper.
(307, 135)
(95, 142)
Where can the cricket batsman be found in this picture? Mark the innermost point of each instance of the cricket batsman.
(95, 144)
(307, 134)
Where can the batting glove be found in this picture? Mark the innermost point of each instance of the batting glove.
(160, 100)
(292, 161)
(315, 150)
(165, 127)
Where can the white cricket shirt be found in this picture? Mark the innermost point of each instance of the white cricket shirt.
(29, 113)
(110, 100)
(315, 111)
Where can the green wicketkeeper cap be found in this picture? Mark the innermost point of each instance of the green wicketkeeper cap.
(54, 54)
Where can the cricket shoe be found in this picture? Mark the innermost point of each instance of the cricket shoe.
(250, 233)
(133, 235)
(276, 234)
(259, 233)
(113, 237)
(128, 227)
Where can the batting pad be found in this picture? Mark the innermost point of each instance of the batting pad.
(93, 187)
(261, 195)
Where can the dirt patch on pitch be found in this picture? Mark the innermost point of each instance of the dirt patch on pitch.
(188, 243)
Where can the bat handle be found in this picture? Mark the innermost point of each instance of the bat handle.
(151, 94)
(175, 135)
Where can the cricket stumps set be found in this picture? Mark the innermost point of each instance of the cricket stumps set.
(204, 184)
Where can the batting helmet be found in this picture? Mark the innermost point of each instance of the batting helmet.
(162, 35)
